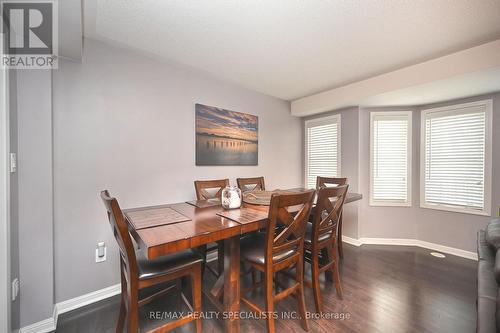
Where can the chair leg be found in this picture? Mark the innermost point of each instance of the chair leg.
(326, 259)
(300, 294)
(269, 301)
(196, 293)
(335, 271)
(133, 309)
(123, 309)
(315, 281)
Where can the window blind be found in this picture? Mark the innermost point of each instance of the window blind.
(455, 157)
(322, 149)
(390, 157)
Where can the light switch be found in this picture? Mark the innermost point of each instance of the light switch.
(13, 162)
(100, 252)
(15, 289)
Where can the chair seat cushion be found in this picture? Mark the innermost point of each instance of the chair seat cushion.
(253, 249)
(308, 235)
(166, 264)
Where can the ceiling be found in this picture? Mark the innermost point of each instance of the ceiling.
(294, 48)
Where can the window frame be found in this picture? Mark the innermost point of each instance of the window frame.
(454, 110)
(336, 118)
(409, 152)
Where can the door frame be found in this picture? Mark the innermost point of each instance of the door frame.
(5, 292)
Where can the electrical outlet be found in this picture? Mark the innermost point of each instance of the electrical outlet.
(15, 289)
(100, 252)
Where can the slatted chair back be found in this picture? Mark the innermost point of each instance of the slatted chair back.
(202, 187)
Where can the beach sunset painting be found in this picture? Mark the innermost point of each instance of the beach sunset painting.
(225, 137)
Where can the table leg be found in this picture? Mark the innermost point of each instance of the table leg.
(232, 282)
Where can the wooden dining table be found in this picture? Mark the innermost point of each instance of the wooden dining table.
(203, 223)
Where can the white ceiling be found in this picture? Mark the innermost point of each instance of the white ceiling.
(294, 48)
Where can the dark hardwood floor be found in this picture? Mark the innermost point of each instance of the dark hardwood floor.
(386, 289)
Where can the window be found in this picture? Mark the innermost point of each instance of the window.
(322, 149)
(390, 158)
(456, 158)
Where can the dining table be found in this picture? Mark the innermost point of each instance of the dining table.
(164, 229)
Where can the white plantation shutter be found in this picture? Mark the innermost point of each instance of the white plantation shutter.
(322, 149)
(390, 155)
(455, 153)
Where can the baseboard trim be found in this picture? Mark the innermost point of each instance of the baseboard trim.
(80, 301)
(50, 324)
(410, 242)
(43, 326)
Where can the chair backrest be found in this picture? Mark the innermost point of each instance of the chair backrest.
(202, 186)
(250, 184)
(328, 211)
(120, 231)
(328, 181)
(290, 235)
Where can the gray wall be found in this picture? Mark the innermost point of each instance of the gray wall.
(451, 229)
(126, 123)
(36, 268)
(14, 199)
(381, 221)
(458, 229)
(349, 120)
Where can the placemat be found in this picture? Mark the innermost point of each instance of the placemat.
(244, 215)
(154, 217)
(204, 203)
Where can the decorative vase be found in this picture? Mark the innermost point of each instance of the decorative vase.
(231, 197)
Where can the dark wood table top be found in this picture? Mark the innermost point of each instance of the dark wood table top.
(204, 226)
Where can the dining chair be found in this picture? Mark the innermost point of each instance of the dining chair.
(321, 238)
(274, 251)
(326, 181)
(332, 181)
(205, 190)
(251, 184)
(138, 273)
(210, 189)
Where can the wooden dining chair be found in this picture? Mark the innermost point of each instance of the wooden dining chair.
(321, 239)
(205, 190)
(329, 181)
(274, 251)
(332, 181)
(202, 188)
(138, 273)
(251, 184)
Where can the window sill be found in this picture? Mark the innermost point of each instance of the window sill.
(389, 204)
(455, 209)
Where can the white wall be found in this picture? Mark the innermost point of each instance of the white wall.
(125, 122)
